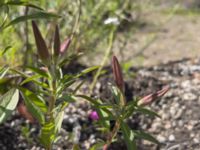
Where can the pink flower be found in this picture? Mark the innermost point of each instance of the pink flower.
(94, 115)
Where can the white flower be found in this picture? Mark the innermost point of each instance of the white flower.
(112, 20)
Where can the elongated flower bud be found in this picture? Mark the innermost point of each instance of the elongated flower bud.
(65, 45)
(152, 97)
(21, 108)
(41, 45)
(56, 42)
(117, 73)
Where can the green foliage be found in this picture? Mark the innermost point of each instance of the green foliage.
(86, 23)
(8, 103)
(121, 110)
(46, 102)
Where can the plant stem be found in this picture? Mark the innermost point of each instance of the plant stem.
(106, 55)
(113, 133)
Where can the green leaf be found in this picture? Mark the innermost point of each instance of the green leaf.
(129, 136)
(85, 71)
(147, 111)
(6, 49)
(5, 10)
(48, 135)
(58, 121)
(145, 136)
(8, 103)
(35, 99)
(37, 15)
(116, 93)
(76, 147)
(129, 109)
(23, 3)
(98, 146)
(3, 71)
(44, 85)
(93, 101)
(29, 79)
(33, 109)
(104, 118)
(67, 98)
(38, 71)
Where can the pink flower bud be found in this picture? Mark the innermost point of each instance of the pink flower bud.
(94, 115)
(65, 45)
(152, 97)
(117, 73)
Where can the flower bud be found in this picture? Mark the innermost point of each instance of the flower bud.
(41, 45)
(94, 116)
(65, 45)
(152, 97)
(56, 42)
(117, 74)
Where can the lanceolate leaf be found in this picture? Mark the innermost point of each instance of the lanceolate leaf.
(37, 15)
(56, 42)
(35, 99)
(34, 109)
(88, 70)
(58, 121)
(145, 136)
(147, 112)
(41, 44)
(128, 136)
(38, 71)
(6, 49)
(47, 134)
(23, 3)
(3, 71)
(8, 103)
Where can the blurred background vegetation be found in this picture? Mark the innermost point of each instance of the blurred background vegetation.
(136, 25)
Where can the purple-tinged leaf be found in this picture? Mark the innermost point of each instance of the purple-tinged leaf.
(40, 43)
(56, 42)
(117, 73)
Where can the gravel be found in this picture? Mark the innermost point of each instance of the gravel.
(177, 129)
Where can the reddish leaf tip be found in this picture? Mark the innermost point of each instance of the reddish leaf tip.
(56, 41)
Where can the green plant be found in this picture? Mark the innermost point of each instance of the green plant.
(121, 110)
(46, 101)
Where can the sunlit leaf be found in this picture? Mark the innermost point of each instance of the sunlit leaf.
(3, 71)
(35, 99)
(47, 135)
(128, 136)
(33, 108)
(58, 121)
(8, 103)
